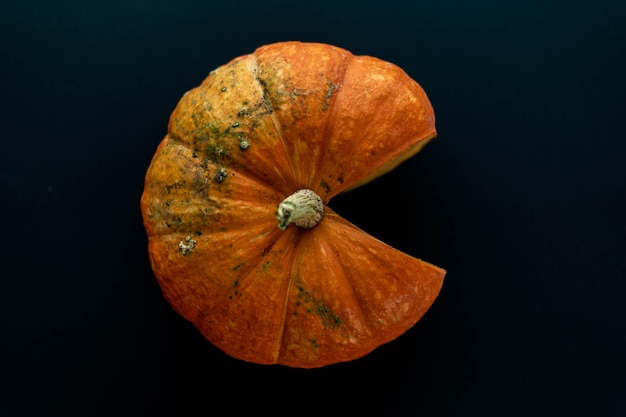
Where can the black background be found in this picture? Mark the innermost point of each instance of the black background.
(522, 198)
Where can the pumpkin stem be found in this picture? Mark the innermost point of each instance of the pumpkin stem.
(303, 208)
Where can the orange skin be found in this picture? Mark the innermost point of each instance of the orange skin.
(289, 116)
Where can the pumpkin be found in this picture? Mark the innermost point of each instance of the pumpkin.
(241, 239)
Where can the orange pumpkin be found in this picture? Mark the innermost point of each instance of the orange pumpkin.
(275, 135)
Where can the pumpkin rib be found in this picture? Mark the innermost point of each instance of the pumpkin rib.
(169, 261)
(314, 180)
(417, 295)
(338, 189)
(367, 329)
(300, 80)
(401, 125)
(234, 165)
(340, 320)
(348, 278)
(198, 295)
(253, 309)
(268, 103)
(336, 322)
(247, 269)
(216, 128)
(194, 195)
(280, 337)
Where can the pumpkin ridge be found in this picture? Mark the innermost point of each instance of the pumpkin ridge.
(245, 277)
(302, 79)
(233, 165)
(255, 275)
(193, 232)
(338, 326)
(349, 279)
(369, 143)
(192, 200)
(318, 176)
(347, 151)
(428, 280)
(279, 339)
(244, 269)
(226, 119)
(331, 216)
(268, 103)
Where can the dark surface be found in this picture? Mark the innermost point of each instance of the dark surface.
(522, 198)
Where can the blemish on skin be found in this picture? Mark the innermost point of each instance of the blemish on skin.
(325, 186)
(330, 90)
(329, 93)
(244, 144)
(186, 246)
(175, 186)
(317, 306)
(221, 175)
(329, 319)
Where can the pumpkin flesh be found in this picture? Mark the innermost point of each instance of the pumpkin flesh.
(289, 116)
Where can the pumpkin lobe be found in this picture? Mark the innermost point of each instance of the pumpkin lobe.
(303, 208)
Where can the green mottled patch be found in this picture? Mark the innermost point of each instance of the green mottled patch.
(317, 306)
(174, 186)
(328, 318)
(174, 222)
(329, 93)
(266, 265)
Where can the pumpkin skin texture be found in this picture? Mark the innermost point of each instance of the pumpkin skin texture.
(289, 116)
